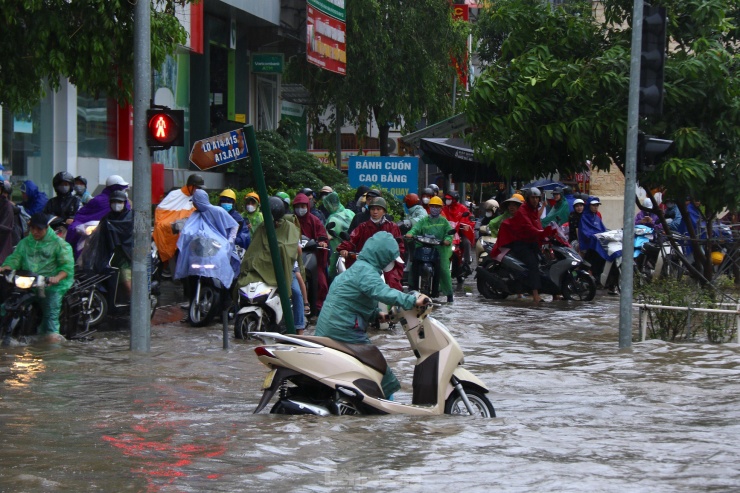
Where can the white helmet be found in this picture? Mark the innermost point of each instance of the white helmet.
(115, 180)
(491, 205)
(647, 203)
(578, 201)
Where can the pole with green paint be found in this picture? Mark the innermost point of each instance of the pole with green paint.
(269, 225)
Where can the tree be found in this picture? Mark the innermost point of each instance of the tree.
(555, 93)
(90, 42)
(398, 65)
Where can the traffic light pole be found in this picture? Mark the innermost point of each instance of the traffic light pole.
(142, 183)
(630, 170)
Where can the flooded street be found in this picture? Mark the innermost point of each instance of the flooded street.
(574, 414)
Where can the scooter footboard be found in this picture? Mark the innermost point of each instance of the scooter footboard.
(465, 378)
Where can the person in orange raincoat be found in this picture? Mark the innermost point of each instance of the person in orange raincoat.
(170, 216)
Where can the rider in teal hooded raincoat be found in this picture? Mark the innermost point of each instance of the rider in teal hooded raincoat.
(352, 302)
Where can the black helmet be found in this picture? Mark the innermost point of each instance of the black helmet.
(434, 187)
(428, 191)
(118, 196)
(7, 187)
(82, 179)
(307, 192)
(453, 194)
(62, 176)
(277, 208)
(196, 180)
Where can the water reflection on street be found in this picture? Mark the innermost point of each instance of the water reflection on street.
(574, 414)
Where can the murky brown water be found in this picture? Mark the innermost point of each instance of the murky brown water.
(574, 415)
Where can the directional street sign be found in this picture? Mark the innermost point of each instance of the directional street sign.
(219, 149)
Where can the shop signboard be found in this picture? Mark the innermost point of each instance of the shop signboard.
(326, 44)
(398, 175)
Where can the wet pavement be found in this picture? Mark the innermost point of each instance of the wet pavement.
(574, 413)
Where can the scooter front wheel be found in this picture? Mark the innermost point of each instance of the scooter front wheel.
(246, 324)
(478, 400)
(203, 309)
(578, 285)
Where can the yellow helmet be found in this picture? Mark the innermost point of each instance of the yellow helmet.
(252, 195)
(519, 196)
(228, 193)
(435, 201)
(717, 257)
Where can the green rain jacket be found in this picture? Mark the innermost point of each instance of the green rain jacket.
(439, 227)
(254, 219)
(416, 214)
(338, 215)
(559, 213)
(352, 302)
(495, 224)
(257, 263)
(47, 258)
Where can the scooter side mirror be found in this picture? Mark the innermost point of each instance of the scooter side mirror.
(344, 235)
(451, 232)
(331, 225)
(465, 214)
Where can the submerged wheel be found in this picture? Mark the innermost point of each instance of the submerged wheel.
(489, 291)
(478, 400)
(245, 324)
(202, 312)
(578, 285)
(425, 282)
(98, 308)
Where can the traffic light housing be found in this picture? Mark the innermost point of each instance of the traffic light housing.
(652, 60)
(651, 151)
(165, 128)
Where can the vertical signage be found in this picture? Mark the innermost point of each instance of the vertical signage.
(326, 44)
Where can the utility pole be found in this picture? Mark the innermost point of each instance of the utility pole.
(630, 170)
(142, 183)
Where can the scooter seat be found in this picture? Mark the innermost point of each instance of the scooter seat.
(367, 354)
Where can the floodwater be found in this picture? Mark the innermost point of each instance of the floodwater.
(574, 414)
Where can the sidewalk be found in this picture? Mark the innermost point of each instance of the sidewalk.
(170, 299)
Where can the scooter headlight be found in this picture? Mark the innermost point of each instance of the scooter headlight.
(24, 282)
(89, 230)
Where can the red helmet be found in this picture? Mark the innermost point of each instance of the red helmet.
(411, 200)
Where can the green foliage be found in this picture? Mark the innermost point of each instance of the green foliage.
(398, 64)
(555, 93)
(285, 168)
(90, 42)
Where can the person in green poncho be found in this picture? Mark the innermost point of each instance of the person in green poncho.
(342, 218)
(559, 212)
(435, 224)
(44, 253)
(511, 204)
(253, 214)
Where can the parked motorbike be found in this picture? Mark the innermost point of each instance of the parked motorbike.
(320, 376)
(562, 272)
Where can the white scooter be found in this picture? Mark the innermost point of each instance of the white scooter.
(320, 376)
(259, 309)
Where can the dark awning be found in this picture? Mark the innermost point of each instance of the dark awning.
(455, 157)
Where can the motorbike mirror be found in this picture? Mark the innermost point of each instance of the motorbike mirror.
(465, 214)
(344, 235)
(451, 232)
(331, 225)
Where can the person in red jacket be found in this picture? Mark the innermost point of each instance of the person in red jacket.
(363, 232)
(453, 211)
(312, 229)
(522, 234)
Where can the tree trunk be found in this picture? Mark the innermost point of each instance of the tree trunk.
(383, 138)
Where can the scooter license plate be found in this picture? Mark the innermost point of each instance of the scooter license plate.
(268, 380)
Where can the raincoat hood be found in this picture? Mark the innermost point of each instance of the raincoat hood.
(200, 200)
(36, 199)
(301, 199)
(216, 217)
(361, 190)
(380, 250)
(332, 204)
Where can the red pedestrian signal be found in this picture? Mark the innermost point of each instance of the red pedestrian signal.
(165, 128)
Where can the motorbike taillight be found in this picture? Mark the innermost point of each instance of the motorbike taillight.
(263, 351)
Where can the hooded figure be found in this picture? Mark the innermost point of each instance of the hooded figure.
(206, 242)
(559, 212)
(33, 199)
(341, 218)
(174, 209)
(114, 233)
(312, 229)
(352, 303)
(591, 224)
(356, 205)
(96, 209)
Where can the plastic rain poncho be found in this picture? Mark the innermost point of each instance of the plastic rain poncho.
(342, 218)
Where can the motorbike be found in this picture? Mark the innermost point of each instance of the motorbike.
(460, 266)
(208, 292)
(259, 310)
(426, 263)
(320, 376)
(562, 271)
(311, 266)
(484, 236)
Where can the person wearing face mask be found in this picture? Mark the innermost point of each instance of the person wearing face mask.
(112, 240)
(170, 216)
(435, 224)
(95, 210)
(312, 204)
(512, 204)
(227, 200)
(254, 214)
(415, 210)
(426, 196)
(80, 190)
(454, 212)
(65, 204)
(312, 228)
(364, 214)
(490, 207)
(362, 233)
(352, 303)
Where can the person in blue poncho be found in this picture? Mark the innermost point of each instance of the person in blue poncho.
(34, 200)
(590, 225)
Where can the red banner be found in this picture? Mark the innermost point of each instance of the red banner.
(461, 13)
(326, 41)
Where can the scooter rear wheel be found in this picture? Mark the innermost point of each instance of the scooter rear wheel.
(578, 285)
(245, 324)
(482, 406)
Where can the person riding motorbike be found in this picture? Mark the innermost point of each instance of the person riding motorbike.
(435, 224)
(11, 229)
(364, 214)
(254, 214)
(227, 200)
(65, 204)
(673, 215)
(342, 218)
(415, 210)
(325, 190)
(80, 190)
(560, 211)
(453, 211)
(490, 207)
(426, 196)
(33, 199)
(512, 204)
(590, 225)
(45, 254)
(170, 216)
(257, 263)
(312, 204)
(313, 229)
(358, 203)
(352, 303)
(574, 222)
(94, 210)
(646, 217)
(522, 234)
(377, 222)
